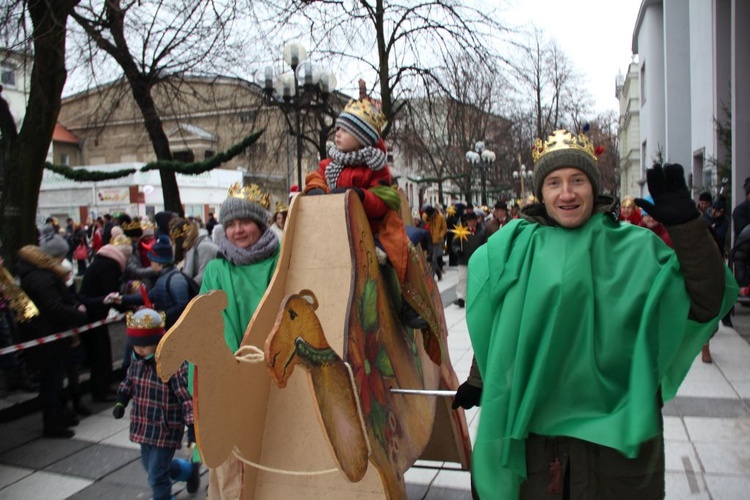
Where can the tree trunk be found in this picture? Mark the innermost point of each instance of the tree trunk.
(159, 139)
(26, 154)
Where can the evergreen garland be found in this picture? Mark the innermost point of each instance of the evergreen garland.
(82, 175)
(195, 168)
(200, 167)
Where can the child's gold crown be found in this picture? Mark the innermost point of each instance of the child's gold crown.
(145, 319)
(251, 193)
(366, 110)
(560, 140)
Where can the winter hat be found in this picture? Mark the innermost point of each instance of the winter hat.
(649, 199)
(562, 150)
(162, 221)
(145, 326)
(161, 251)
(705, 196)
(363, 120)
(52, 243)
(501, 205)
(247, 202)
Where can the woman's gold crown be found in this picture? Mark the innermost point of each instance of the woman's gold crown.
(252, 193)
(129, 226)
(561, 140)
(121, 239)
(368, 111)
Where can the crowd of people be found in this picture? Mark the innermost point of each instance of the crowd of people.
(521, 270)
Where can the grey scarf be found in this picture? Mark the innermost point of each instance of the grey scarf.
(261, 249)
(374, 158)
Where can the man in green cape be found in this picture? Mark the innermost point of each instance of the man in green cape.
(581, 328)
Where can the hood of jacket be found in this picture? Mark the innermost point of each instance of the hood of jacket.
(32, 257)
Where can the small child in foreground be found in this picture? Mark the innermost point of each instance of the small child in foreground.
(160, 411)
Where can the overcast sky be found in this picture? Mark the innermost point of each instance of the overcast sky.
(595, 34)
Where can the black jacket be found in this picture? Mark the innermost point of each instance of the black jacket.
(102, 277)
(43, 280)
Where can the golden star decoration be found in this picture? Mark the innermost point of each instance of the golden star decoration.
(461, 232)
(451, 211)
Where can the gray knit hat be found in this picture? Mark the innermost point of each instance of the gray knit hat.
(239, 208)
(51, 243)
(563, 150)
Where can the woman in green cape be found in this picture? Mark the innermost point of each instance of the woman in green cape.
(243, 269)
(581, 328)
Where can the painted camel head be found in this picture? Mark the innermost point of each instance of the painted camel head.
(200, 323)
(296, 338)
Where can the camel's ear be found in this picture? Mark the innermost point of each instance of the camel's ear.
(309, 296)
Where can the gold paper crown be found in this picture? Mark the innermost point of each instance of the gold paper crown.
(121, 239)
(146, 320)
(129, 226)
(180, 231)
(561, 140)
(251, 193)
(366, 110)
(280, 207)
(147, 225)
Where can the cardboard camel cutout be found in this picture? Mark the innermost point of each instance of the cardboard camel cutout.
(331, 309)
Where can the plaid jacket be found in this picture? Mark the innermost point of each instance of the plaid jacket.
(160, 411)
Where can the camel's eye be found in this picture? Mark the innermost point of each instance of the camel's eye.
(292, 314)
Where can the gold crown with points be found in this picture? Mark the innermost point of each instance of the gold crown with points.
(252, 193)
(368, 111)
(121, 239)
(561, 140)
(280, 207)
(145, 319)
(129, 226)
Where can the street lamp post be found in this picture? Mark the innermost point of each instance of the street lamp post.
(522, 174)
(482, 158)
(305, 87)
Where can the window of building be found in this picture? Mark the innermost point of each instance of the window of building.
(186, 156)
(7, 76)
(208, 154)
(65, 160)
(643, 84)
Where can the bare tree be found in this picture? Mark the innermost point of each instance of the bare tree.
(152, 41)
(24, 151)
(401, 42)
(547, 83)
(459, 109)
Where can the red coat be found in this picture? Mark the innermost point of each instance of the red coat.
(362, 176)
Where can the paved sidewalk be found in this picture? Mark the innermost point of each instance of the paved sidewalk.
(706, 431)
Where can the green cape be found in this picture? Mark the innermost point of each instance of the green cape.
(244, 286)
(574, 331)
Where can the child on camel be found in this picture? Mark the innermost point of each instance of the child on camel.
(357, 161)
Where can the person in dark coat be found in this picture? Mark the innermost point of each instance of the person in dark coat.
(464, 248)
(101, 280)
(43, 279)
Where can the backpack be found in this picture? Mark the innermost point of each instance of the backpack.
(193, 287)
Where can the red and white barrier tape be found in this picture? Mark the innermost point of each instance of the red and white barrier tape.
(61, 335)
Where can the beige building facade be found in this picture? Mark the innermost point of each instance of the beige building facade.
(201, 116)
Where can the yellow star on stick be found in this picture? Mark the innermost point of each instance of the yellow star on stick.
(461, 232)
(451, 211)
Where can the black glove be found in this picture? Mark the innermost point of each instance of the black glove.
(315, 192)
(672, 202)
(118, 411)
(357, 190)
(190, 434)
(467, 396)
